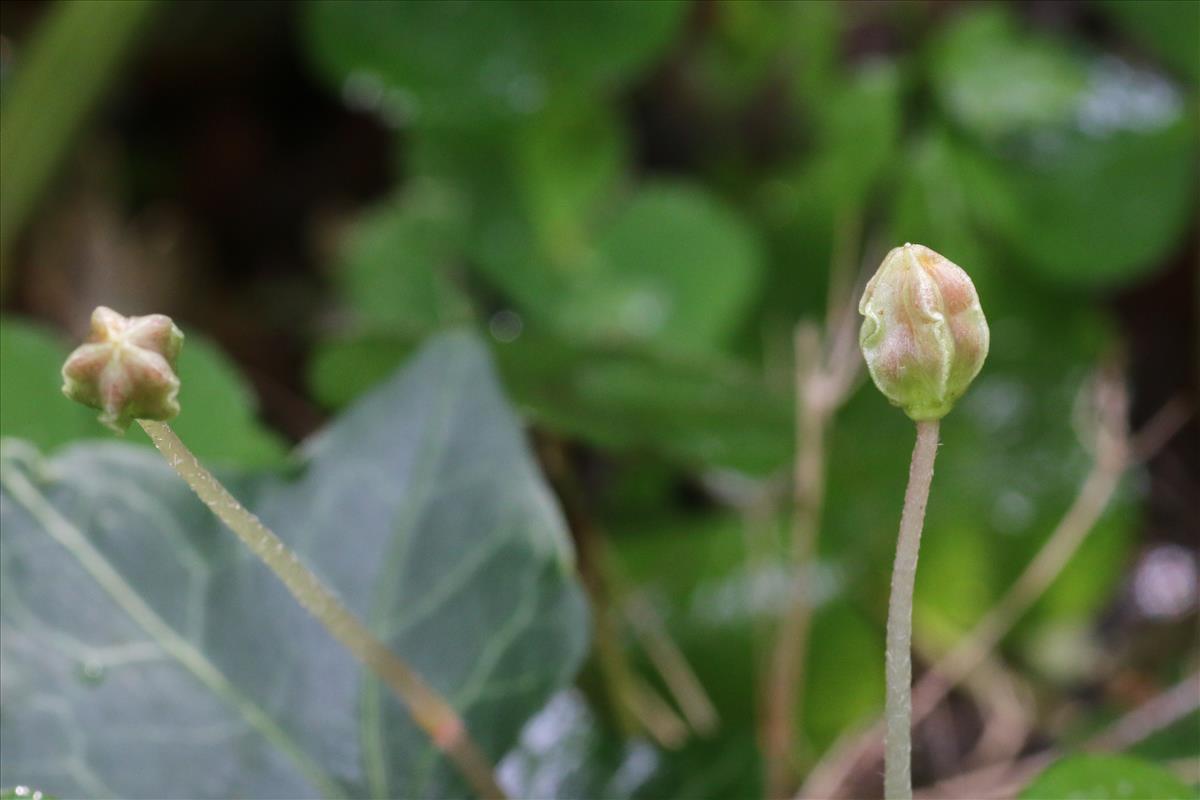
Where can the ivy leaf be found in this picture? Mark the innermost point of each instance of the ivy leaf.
(146, 654)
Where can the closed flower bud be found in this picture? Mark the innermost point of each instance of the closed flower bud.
(924, 337)
(126, 369)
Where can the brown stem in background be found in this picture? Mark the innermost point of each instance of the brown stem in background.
(635, 704)
(781, 701)
(1160, 711)
(671, 664)
(1005, 779)
(825, 370)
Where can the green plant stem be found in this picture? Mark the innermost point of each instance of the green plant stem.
(429, 709)
(898, 710)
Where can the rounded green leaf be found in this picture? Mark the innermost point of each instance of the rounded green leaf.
(676, 267)
(1106, 778)
(1083, 163)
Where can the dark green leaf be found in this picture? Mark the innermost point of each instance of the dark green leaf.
(465, 63)
(1085, 166)
(1168, 27)
(702, 411)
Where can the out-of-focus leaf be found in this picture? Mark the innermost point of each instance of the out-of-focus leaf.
(845, 685)
(534, 193)
(754, 41)
(670, 265)
(1106, 778)
(955, 592)
(1078, 213)
(700, 411)
(218, 417)
(1167, 27)
(467, 63)
(395, 263)
(997, 80)
(147, 654)
(675, 267)
(567, 165)
(933, 204)
(806, 206)
(1066, 150)
(31, 401)
(858, 131)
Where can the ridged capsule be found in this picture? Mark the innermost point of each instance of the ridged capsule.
(126, 369)
(924, 335)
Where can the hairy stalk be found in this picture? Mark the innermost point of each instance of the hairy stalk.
(429, 710)
(898, 711)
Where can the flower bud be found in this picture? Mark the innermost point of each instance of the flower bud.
(924, 337)
(126, 369)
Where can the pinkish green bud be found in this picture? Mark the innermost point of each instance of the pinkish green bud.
(126, 369)
(924, 337)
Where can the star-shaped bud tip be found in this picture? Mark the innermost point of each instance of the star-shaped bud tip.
(126, 369)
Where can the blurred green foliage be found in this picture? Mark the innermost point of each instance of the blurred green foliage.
(647, 311)
(42, 112)
(1039, 165)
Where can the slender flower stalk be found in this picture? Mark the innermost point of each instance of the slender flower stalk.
(127, 371)
(924, 338)
(898, 712)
